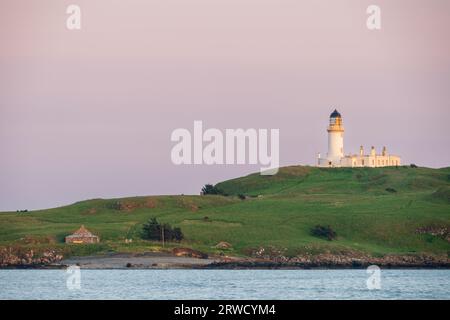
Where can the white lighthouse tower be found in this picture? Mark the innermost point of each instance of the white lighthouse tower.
(335, 141)
(335, 138)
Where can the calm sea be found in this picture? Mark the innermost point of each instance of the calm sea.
(223, 284)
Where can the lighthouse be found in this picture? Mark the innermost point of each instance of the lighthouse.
(336, 158)
(335, 139)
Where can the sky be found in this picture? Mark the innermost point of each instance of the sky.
(89, 113)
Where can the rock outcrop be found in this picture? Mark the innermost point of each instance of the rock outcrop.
(436, 231)
(20, 257)
(223, 245)
(187, 252)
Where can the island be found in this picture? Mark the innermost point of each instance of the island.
(302, 217)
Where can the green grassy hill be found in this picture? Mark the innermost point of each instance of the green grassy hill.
(376, 211)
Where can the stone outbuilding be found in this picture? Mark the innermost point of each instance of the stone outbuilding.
(82, 235)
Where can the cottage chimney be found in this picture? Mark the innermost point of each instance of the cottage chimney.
(373, 152)
(361, 151)
(384, 151)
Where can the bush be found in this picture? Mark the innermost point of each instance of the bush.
(241, 196)
(210, 189)
(391, 190)
(324, 232)
(177, 234)
(413, 165)
(153, 230)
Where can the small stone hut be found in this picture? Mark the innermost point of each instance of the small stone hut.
(82, 235)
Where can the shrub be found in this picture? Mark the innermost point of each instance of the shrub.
(177, 234)
(324, 232)
(241, 196)
(168, 232)
(413, 165)
(391, 190)
(210, 189)
(153, 230)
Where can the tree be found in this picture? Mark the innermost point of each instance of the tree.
(152, 230)
(210, 189)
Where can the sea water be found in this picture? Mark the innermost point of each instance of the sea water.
(223, 284)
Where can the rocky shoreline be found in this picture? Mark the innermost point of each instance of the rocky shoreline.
(184, 258)
(20, 258)
(318, 264)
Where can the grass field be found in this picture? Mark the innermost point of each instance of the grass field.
(375, 211)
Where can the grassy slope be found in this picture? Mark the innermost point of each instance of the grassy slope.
(353, 201)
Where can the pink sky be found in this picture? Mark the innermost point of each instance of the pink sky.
(89, 113)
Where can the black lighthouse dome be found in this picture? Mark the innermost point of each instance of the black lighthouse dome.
(335, 114)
